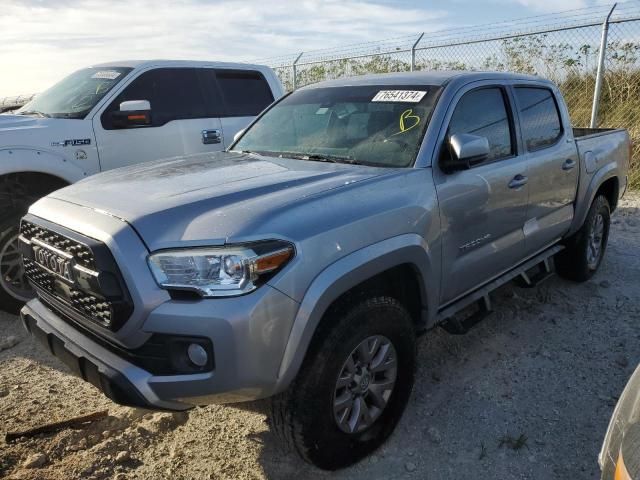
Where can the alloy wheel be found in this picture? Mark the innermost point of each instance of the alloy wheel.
(365, 384)
(12, 277)
(595, 241)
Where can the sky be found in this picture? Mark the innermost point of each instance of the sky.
(41, 41)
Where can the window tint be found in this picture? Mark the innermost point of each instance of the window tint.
(483, 112)
(539, 118)
(245, 93)
(174, 94)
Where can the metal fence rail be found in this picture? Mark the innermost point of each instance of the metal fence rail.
(600, 89)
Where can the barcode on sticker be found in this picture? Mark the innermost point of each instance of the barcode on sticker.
(408, 96)
(106, 75)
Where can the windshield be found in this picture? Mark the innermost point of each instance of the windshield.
(75, 95)
(379, 125)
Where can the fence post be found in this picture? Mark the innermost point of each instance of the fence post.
(295, 71)
(600, 72)
(413, 52)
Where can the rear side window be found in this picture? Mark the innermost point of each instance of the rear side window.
(539, 117)
(483, 112)
(174, 94)
(245, 93)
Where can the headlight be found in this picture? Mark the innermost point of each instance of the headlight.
(219, 271)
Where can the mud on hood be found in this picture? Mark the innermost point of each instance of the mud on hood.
(207, 198)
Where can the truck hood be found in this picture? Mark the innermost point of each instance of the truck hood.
(207, 199)
(16, 123)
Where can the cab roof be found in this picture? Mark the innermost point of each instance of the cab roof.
(423, 77)
(177, 63)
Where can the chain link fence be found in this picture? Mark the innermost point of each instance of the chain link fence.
(564, 47)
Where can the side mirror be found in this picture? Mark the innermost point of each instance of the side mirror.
(133, 113)
(238, 135)
(466, 151)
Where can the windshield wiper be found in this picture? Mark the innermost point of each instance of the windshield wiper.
(34, 112)
(316, 157)
(330, 158)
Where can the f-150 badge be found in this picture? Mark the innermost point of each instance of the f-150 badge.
(72, 143)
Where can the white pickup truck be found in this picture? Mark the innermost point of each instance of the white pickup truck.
(112, 115)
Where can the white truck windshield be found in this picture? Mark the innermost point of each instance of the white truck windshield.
(378, 125)
(75, 95)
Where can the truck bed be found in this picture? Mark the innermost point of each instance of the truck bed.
(582, 132)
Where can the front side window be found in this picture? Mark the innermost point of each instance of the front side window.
(377, 125)
(483, 112)
(174, 94)
(75, 96)
(539, 117)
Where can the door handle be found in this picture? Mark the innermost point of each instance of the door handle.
(211, 136)
(518, 181)
(568, 164)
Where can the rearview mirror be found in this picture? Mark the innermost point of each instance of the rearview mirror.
(466, 151)
(132, 113)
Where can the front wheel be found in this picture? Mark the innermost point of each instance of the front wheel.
(14, 287)
(584, 251)
(353, 386)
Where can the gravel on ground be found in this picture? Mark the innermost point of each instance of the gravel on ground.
(526, 394)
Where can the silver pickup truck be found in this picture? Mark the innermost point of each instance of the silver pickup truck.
(301, 263)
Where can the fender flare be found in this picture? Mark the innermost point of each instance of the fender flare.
(345, 274)
(26, 159)
(605, 173)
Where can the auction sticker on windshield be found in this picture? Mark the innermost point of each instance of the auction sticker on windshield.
(106, 75)
(409, 96)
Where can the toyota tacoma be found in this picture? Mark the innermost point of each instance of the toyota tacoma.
(300, 264)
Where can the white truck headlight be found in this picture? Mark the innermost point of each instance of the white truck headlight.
(219, 271)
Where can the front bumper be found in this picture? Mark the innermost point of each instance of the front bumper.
(248, 335)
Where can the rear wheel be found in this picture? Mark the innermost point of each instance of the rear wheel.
(14, 287)
(353, 386)
(585, 250)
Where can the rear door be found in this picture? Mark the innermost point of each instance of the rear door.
(553, 166)
(482, 209)
(245, 93)
(182, 120)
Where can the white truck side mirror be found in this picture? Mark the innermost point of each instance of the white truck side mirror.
(132, 114)
(135, 105)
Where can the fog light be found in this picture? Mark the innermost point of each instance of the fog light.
(197, 354)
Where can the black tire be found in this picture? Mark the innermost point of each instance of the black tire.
(303, 417)
(14, 289)
(577, 261)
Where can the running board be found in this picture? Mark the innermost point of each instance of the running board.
(456, 326)
(544, 273)
(481, 295)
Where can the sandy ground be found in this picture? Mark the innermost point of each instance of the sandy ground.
(527, 394)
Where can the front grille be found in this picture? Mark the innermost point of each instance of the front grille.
(90, 306)
(96, 292)
(80, 252)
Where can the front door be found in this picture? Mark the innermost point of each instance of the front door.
(180, 114)
(482, 209)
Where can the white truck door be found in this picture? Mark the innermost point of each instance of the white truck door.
(181, 120)
(245, 93)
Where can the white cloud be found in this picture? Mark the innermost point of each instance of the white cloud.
(41, 41)
(550, 6)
